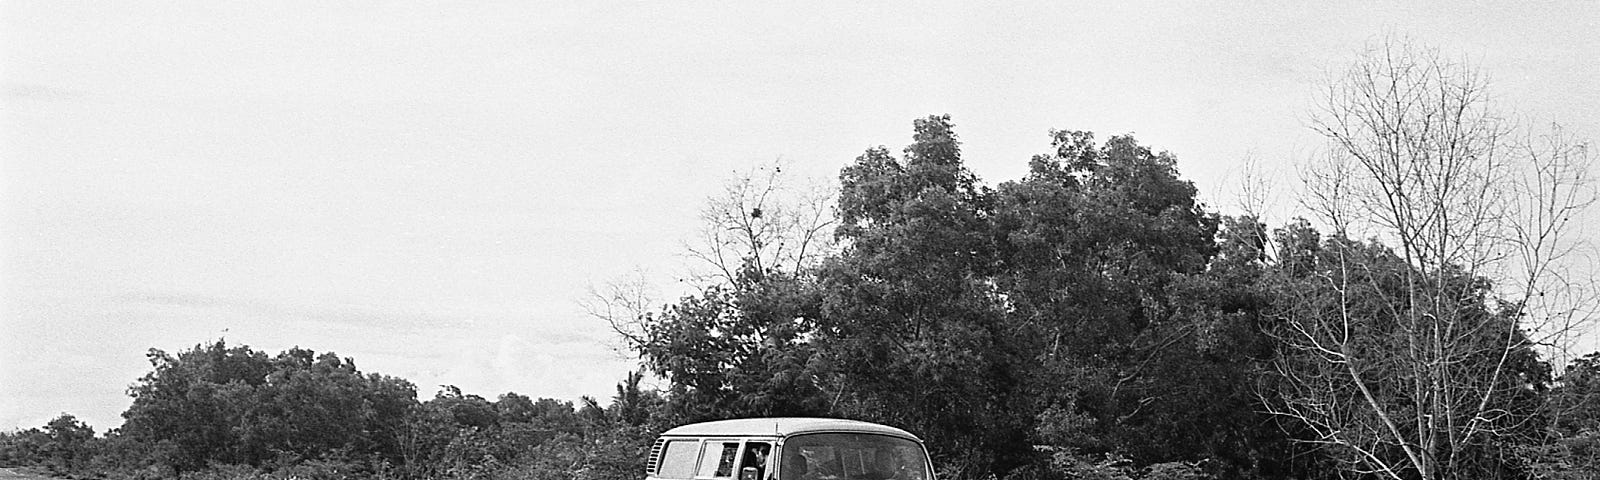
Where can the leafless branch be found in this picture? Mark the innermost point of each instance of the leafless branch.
(1406, 364)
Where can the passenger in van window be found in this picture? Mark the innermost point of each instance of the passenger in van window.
(755, 455)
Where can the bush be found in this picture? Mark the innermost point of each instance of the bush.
(226, 472)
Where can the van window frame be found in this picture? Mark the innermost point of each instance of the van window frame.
(766, 469)
(698, 446)
(780, 450)
(738, 452)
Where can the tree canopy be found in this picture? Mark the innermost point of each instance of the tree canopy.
(1092, 319)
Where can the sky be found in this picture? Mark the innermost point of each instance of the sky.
(430, 187)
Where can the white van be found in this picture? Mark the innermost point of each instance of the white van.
(805, 449)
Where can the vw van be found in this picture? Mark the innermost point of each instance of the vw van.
(788, 449)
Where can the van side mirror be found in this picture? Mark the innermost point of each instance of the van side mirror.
(749, 473)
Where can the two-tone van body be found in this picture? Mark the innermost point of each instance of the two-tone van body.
(788, 449)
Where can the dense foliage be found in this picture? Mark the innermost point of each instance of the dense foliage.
(1093, 320)
(1074, 314)
(220, 411)
(1090, 320)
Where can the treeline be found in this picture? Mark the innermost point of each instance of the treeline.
(1093, 320)
(229, 412)
(1090, 320)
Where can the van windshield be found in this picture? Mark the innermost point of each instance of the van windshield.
(852, 456)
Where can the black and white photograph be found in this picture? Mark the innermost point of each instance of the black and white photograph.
(1033, 240)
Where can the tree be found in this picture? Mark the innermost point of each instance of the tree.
(737, 346)
(219, 404)
(1409, 354)
(633, 405)
(911, 331)
(192, 402)
(738, 350)
(67, 442)
(21, 447)
(1136, 329)
(762, 223)
(314, 406)
(1572, 448)
(1077, 308)
(625, 304)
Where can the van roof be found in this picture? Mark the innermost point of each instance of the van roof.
(785, 426)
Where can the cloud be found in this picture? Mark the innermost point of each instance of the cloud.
(38, 92)
(493, 361)
(390, 318)
(485, 349)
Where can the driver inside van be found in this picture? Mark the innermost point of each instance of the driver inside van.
(886, 465)
(794, 467)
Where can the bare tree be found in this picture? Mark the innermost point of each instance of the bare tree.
(1254, 191)
(759, 223)
(762, 223)
(624, 303)
(1403, 354)
(1554, 267)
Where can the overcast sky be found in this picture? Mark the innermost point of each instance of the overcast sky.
(428, 187)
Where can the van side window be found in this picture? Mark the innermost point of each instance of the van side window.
(755, 456)
(677, 462)
(716, 460)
